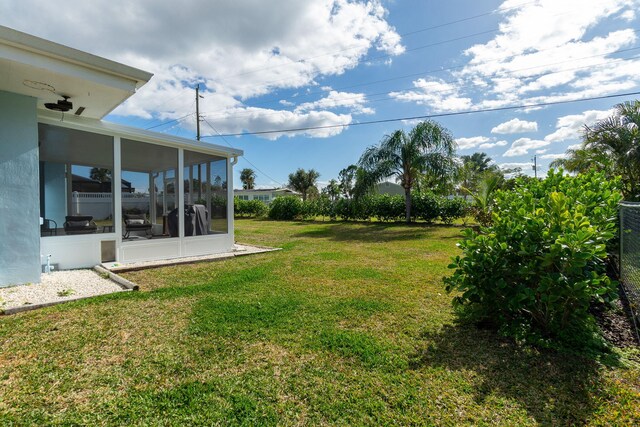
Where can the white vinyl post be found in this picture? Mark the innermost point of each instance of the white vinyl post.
(116, 188)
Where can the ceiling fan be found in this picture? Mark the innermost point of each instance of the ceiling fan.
(63, 105)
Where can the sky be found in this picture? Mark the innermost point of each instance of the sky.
(338, 65)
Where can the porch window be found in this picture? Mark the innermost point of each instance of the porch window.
(149, 200)
(205, 192)
(76, 194)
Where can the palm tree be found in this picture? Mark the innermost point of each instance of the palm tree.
(483, 198)
(347, 178)
(472, 169)
(302, 181)
(248, 178)
(612, 145)
(427, 148)
(479, 162)
(581, 160)
(332, 190)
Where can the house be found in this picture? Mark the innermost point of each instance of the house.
(54, 143)
(264, 194)
(390, 188)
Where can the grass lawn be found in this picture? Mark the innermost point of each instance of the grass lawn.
(349, 324)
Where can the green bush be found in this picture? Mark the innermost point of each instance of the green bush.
(536, 271)
(257, 208)
(311, 208)
(452, 209)
(251, 208)
(326, 207)
(388, 208)
(286, 208)
(425, 206)
(384, 207)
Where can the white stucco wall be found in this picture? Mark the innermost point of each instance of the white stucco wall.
(19, 191)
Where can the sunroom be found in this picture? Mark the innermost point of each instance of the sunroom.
(79, 191)
(174, 198)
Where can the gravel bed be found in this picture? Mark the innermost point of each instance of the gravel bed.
(57, 286)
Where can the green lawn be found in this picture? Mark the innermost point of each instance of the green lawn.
(349, 324)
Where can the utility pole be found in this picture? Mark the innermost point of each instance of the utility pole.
(198, 111)
(535, 166)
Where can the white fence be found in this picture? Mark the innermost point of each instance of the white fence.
(100, 205)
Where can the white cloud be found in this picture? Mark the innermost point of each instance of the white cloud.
(545, 51)
(472, 142)
(554, 156)
(569, 127)
(487, 145)
(436, 93)
(262, 119)
(628, 15)
(523, 166)
(515, 126)
(221, 47)
(523, 146)
(511, 165)
(352, 101)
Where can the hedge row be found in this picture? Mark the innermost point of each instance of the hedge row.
(250, 208)
(426, 207)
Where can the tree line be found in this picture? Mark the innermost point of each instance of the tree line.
(424, 159)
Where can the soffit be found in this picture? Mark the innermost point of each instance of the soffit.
(45, 70)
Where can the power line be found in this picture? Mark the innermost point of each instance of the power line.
(421, 30)
(170, 121)
(428, 116)
(272, 82)
(433, 71)
(244, 157)
(538, 75)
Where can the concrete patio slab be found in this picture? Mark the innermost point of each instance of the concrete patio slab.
(239, 250)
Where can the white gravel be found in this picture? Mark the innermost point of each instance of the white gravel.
(57, 286)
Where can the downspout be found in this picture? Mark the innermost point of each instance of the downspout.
(234, 161)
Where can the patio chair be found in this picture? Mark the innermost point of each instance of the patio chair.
(79, 224)
(137, 222)
(49, 226)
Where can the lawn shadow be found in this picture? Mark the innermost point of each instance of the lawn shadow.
(553, 388)
(375, 232)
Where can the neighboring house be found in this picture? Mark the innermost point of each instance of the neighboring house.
(264, 194)
(390, 188)
(87, 185)
(45, 141)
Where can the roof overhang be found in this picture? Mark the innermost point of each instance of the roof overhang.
(46, 70)
(128, 132)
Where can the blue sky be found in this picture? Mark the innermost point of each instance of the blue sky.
(272, 65)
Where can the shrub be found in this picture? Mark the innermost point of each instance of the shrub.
(388, 208)
(239, 207)
(256, 208)
(326, 207)
(425, 206)
(251, 208)
(311, 208)
(536, 271)
(361, 208)
(285, 208)
(452, 209)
